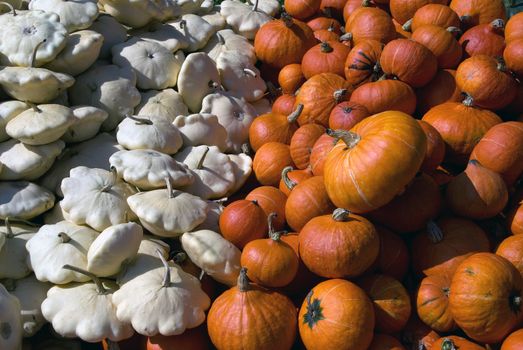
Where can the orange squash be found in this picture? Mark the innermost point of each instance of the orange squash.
(269, 161)
(474, 12)
(511, 248)
(514, 341)
(437, 14)
(243, 221)
(302, 143)
(272, 127)
(271, 200)
(385, 95)
(432, 303)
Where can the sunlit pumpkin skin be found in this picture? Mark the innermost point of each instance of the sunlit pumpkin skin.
(461, 126)
(487, 81)
(436, 14)
(397, 145)
(283, 41)
(351, 5)
(291, 177)
(455, 342)
(417, 334)
(338, 245)
(391, 302)
(514, 27)
(393, 257)
(319, 152)
(269, 161)
(370, 23)
(306, 201)
(409, 61)
(346, 115)
(442, 42)
(385, 95)
(336, 314)
(302, 142)
(477, 193)
(323, 22)
(284, 104)
(271, 200)
(302, 9)
(514, 341)
(442, 88)
(513, 56)
(515, 220)
(501, 150)
(243, 221)
(484, 39)
(237, 318)
(194, 338)
(291, 78)
(323, 35)
(435, 148)
(441, 247)
(511, 248)
(403, 10)
(326, 57)
(485, 297)
(474, 12)
(432, 303)
(413, 208)
(385, 342)
(362, 63)
(272, 127)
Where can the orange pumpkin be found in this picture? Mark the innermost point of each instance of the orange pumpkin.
(484, 39)
(243, 221)
(486, 297)
(441, 42)
(302, 143)
(432, 303)
(515, 220)
(442, 88)
(403, 10)
(271, 200)
(401, 33)
(269, 161)
(362, 63)
(346, 115)
(290, 78)
(272, 127)
(514, 341)
(369, 23)
(284, 104)
(326, 57)
(332, 8)
(319, 152)
(336, 314)
(393, 257)
(511, 248)
(514, 27)
(417, 335)
(352, 5)
(435, 148)
(291, 177)
(302, 9)
(390, 145)
(385, 342)
(385, 95)
(454, 342)
(513, 56)
(474, 12)
(323, 35)
(194, 338)
(237, 318)
(323, 22)
(436, 14)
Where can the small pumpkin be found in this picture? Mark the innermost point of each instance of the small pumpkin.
(474, 12)
(513, 28)
(435, 148)
(433, 13)
(362, 63)
(271, 200)
(326, 57)
(384, 95)
(512, 56)
(302, 143)
(243, 221)
(513, 341)
(511, 248)
(319, 152)
(325, 22)
(291, 177)
(369, 23)
(432, 303)
(442, 88)
(269, 161)
(272, 127)
(441, 42)
(291, 78)
(346, 115)
(284, 104)
(403, 10)
(484, 39)
(302, 9)
(515, 219)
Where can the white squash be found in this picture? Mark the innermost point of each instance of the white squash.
(14, 258)
(242, 168)
(164, 300)
(74, 15)
(56, 245)
(194, 90)
(87, 123)
(205, 7)
(189, 6)
(147, 169)
(167, 103)
(239, 76)
(245, 19)
(9, 110)
(85, 310)
(270, 7)
(168, 212)
(212, 221)
(10, 321)
(215, 19)
(215, 255)
(56, 214)
(110, 88)
(163, 34)
(149, 132)
(115, 246)
(41, 124)
(80, 52)
(195, 30)
(113, 32)
(96, 197)
(201, 129)
(227, 40)
(23, 200)
(155, 66)
(138, 13)
(26, 162)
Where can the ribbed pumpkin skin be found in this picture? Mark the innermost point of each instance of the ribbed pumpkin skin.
(511, 248)
(290, 78)
(483, 298)
(458, 342)
(302, 9)
(284, 104)
(326, 57)
(392, 148)
(385, 95)
(237, 320)
(327, 35)
(435, 148)
(441, 42)
(320, 150)
(439, 90)
(370, 23)
(403, 10)
(302, 142)
(361, 65)
(514, 341)
(271, 127)
(346, 115)
(393, 257)
(432, 303)
(269, 161)
(480, 11)
(483, 39)
(347, 320)
(515, 220)
(391, 302)
(296, 176)
(514, 28)
(243, 221)
(437, 14)
(385, 342)
(513, 55)
(323, 22)
(271, 200)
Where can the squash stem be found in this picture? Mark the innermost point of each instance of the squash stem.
(169, 186)
(140, 121)
(8, 227)
(179, 258)
(64, 237)
(468, 101)
(243, 280)
(350, 138)
(33, 54)
(502, 66)
(221, 40)
(407, 26)
(34, 107)
(250, 72)
(112, 181)
(285, 178)
(340, 214)
(291, 118)
(498, 24)
(434, 232)
(167, 276)
(454, 30)
(448, 344)
(365, 3)
(346, 37)
(340, 95)
(325, 47)
(287, 19)
(275, 236)
(11, 8)
(255, 7)
(99, 285)
(202, 159)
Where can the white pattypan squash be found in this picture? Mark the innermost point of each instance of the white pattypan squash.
(206, 6)
(168, 212)
(245, 19)
(201, 129)
(85, 310)
(26, 162)
(113, 32)
(41, 124)
(87, 123)
(164, 300)
(234, 113)
(163, 34)
(10, 321)
(215, 19)
(96, 197)
(270, 7)
(194, 90)
(242, 167)
(56, 214)
(155, 66)
(167, 103)
(214, 172)
(189, 6)
(9, 110)
(227, 40)
(149, 132)
(212, 221)
(14, 259)
(24, 31)
(262, 106)
(115, 246)
(80, 52)
(147, 169)
(74, 15)
(195, 30)
(30, 292)
(137, 13)
(240, 76)
(110, 88)
(56, 245)
(215, 255)
(23, 200)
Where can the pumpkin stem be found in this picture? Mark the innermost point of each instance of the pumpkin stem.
(291, 118)
(255, 7)
(502, 67)
(9, 284)
(498, 24)
(465, 19)
(221, 40)
(285, 178)
(340, 95)
(331, 27)
(140, 121)
(99, 285)
(474, 162)
(365, 3)
(287, 19)
(250, 72)
(407, 26)
(167, 276)
(434, 232)
(454, 30)
(11, 8)
(446, 291)
(340, 214)
(448, 344)
(202, 159)
(468, 101)
(33, 54)
(350, 138)
(275, 236)
(346, 37)
(243, 280)
(179, 258)
(112, 182)
(325, 47)
(64, 237)
(213, 85)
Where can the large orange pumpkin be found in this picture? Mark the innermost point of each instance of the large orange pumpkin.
(385, 95)
(485, 298)
(455, 343)
(336, 314)
(362, 63)
(511, 248)
(302, 9)
(390, 145)
(514, 341)
(432, 303)
(370, 23)
(514, 27)
(474, 12)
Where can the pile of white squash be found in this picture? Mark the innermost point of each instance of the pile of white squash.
(123, 123)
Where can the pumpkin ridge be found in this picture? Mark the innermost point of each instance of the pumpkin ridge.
(353, 179)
